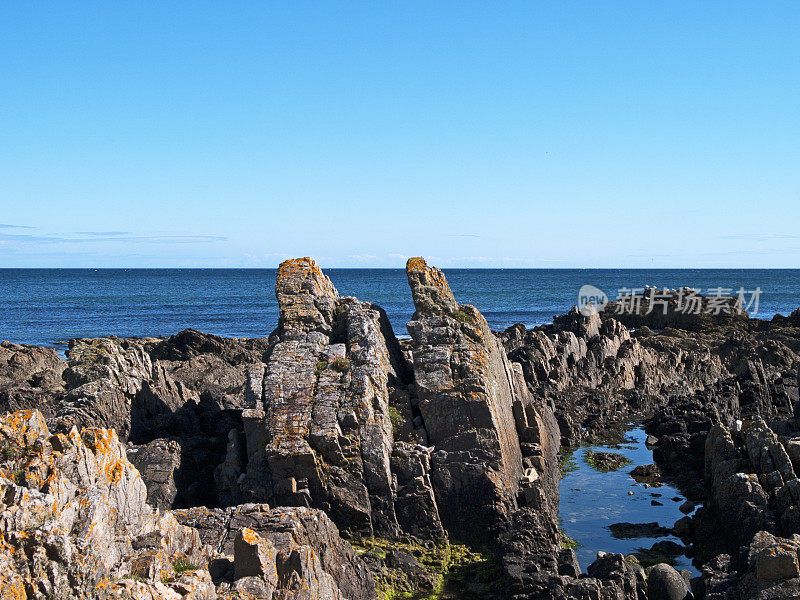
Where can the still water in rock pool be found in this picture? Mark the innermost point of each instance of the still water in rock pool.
(593, 501)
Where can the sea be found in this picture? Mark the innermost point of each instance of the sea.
(50, 306)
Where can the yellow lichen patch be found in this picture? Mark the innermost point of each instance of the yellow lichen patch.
(114, 471)
(23, 427)
(100, 441)
(250, 536)
(416, 263)
(12, 583)
(433, 276)
(13, 589)
(295, 266)
(297, 277)
(5, 546)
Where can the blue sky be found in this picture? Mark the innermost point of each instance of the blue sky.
(530, 134)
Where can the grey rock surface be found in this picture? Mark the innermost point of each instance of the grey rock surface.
(467, 390)
(30, 377)
(665, 583)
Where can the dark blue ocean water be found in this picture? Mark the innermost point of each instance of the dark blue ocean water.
(45, 306)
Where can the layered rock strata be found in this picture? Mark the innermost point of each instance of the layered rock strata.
(30, 377)
(273, 445)
(74, 523)
(318, 428)
(467, 392)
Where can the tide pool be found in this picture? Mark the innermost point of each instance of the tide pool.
(591, 501)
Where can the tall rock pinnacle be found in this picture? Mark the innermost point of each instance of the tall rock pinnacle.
(467, 390)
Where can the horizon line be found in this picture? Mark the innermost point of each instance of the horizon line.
(403, 268)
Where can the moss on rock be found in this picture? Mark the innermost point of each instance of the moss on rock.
(460, 571)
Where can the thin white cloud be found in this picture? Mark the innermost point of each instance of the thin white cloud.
(761, 236)
(61, 239)
(177, 239)
(753, 252)
(363, 257)
(102, 233)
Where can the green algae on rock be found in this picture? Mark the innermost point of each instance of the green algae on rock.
(606, 461)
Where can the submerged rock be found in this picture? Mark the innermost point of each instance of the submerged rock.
(665, 551)
(646, 474)
(638, 530)
(606, 461)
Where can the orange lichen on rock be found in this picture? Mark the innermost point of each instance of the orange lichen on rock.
(11, 587)
(80, 528)
(100, 441)
(429, 288)
(250, 536)
(23, 427)
(303, 274)
(114, 471)
(416, 263)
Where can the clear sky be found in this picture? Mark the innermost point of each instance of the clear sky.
(507, 134)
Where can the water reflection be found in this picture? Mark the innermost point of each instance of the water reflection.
(591, 501)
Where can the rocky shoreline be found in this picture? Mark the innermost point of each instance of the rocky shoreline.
(332, 460)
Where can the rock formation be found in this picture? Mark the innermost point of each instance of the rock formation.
(73, 518)
(279, 553)
(331, 460)
(30, 377)
(466, 397)
(74, 524)
(318, 427)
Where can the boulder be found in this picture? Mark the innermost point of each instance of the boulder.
(157, 463)
(253, 556)
(773, 558)
(620, 573)
(665, 583)
(303, 545)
